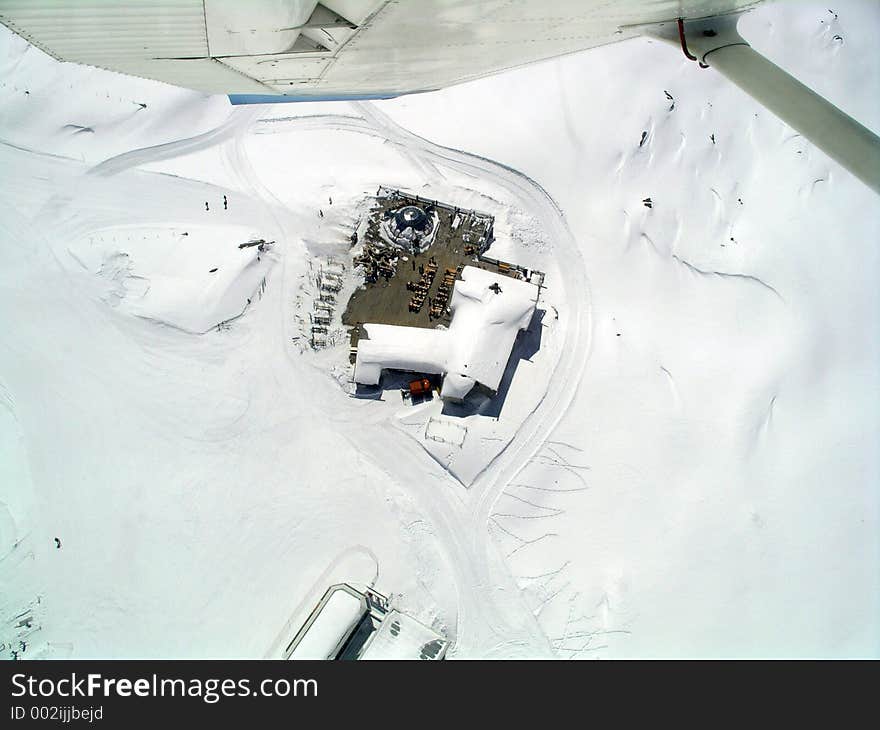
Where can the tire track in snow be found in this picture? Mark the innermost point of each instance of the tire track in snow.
(486, 624)
(491, 575)
(175, 148)
(493, 616)
(448, 517)
(537, 428)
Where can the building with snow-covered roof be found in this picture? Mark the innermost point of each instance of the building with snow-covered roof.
(488, 311)
(352, 623)
(402, 637)
(331, 624)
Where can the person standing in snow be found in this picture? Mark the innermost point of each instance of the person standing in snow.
(206, 205)
(225, 206)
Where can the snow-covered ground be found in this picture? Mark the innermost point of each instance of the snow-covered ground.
(686, 467)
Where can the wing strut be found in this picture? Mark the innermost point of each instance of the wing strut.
(684, 45)
(715, 42)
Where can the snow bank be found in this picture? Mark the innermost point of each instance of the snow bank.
(191, 279)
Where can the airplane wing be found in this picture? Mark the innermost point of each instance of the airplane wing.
(334, 48)
(342, 49)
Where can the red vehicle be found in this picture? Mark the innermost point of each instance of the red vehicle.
(419, 387)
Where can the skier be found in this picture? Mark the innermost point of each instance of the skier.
(224, 203)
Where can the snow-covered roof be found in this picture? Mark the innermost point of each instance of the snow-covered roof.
(334, 622)
(488, 310)
(391, 347)
(402, 637)
(486, 322)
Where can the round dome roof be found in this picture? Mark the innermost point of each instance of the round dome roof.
(410, 216)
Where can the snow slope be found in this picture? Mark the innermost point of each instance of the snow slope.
(686, 467)
(185, 477)
(713, 487)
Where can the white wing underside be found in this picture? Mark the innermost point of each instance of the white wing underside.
(334, 48)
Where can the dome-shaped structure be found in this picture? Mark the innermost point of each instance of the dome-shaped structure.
(410, 227)
(411, 216)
